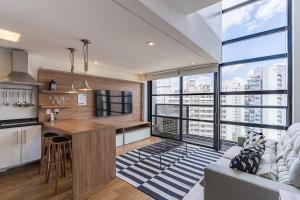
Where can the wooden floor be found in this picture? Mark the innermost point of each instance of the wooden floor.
(24, 183)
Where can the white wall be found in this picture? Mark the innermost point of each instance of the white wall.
(296, 60)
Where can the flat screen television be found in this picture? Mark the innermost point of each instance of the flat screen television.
(113, 103)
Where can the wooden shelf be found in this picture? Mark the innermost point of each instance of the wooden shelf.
(53, 92)
(53, 106)
(129, 126)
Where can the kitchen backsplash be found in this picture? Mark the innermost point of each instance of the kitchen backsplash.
(16, 106)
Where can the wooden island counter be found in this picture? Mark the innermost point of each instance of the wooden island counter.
(94, 153)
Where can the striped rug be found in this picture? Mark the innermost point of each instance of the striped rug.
(172, 182)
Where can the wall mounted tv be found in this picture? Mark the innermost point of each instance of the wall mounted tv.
(113, 103)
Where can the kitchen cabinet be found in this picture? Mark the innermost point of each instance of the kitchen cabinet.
(19, 145)
(10, 147)
(31, 143)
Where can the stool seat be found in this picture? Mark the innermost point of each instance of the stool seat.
(49, 135)
(60, 139)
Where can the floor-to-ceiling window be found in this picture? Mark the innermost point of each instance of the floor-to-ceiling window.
(183, 108)
(254, 91)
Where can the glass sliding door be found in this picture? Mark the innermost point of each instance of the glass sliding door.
(183, 108)
(166, 107)
(198, 109)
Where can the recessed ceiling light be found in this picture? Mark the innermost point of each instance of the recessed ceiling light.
(141, 72)
(96, 63)
(150, 43)
(9, 35)
(192, 63)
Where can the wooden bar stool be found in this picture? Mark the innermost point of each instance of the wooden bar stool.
(60, 147)
(46, 150)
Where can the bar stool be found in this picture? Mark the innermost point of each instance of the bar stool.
(60, 146)
(46, 150)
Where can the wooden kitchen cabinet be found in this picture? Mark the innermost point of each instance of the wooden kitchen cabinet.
(19, 145)
(10, 147)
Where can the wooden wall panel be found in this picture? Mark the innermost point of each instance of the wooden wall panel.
(88, 112)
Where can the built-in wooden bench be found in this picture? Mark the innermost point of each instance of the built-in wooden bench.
(128, 132)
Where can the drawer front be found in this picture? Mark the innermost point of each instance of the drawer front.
(136, 135)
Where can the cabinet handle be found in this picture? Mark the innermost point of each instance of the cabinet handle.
(25, 135)
(17, 133)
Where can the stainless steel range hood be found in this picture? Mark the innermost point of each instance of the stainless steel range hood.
(19, 70)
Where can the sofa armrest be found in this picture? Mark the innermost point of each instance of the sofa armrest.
(241, 141)
(225, 183)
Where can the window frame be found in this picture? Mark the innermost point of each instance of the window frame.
(181, 105)
(287, 55)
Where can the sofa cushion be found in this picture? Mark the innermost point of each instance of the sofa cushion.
(271, 145)
(268, 166)
(294, 172)
(253, 138)
(267, 170)
(232, 152)
(293, 155)
(283, 173)
(283, 177)
(246, 162)
(223, 161)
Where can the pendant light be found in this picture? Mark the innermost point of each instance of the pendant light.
(71, 88)
(84, 85)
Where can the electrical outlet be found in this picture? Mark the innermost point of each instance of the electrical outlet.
(56, 111)
(48, 111)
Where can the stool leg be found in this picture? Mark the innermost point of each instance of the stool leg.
(58, 165)
(64, 160)
(42, 155)
(71, 153)
(49, 161)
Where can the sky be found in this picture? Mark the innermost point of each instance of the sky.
(253, 18)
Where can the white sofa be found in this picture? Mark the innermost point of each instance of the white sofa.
(279, 169)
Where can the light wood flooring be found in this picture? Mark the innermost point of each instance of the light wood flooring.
(24, 183)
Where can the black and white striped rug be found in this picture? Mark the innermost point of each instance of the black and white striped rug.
(172, 182)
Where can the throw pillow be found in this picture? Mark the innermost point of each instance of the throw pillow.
(246, 162)
(259, 148)
(253, 138)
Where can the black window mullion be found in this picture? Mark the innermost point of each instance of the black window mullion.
(246, 124)
(255, 35)
(216, 112)
(289, 116)
(239, 6)
(258, 59)
(255, 92)
(253, 106)
(180, 107)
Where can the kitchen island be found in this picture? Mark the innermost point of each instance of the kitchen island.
(94, 153)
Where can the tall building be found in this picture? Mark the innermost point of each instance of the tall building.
(230, 132)
(266, 78)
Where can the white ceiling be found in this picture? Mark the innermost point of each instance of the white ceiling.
(118, 37)
(190, 6)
